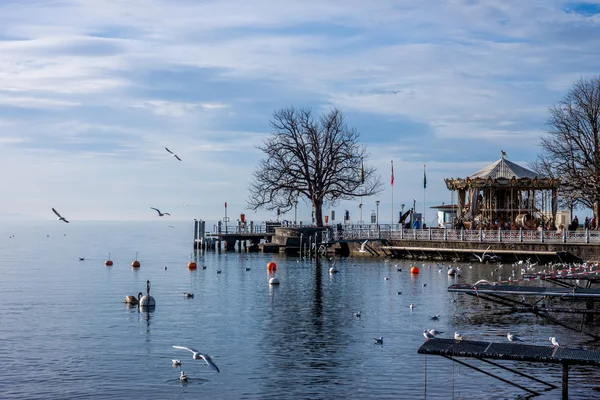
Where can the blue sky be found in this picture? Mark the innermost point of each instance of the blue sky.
(92, 91)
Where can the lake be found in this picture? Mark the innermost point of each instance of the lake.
(65, 332)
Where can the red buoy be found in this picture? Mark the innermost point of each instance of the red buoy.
(108, 263)
(414, 270)
(271, 267)
(192, 265)
(135, 264)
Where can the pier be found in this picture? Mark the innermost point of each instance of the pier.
(486, 351)
(398, 242)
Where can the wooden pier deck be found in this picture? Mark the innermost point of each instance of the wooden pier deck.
(484, 351)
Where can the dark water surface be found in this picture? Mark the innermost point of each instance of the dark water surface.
(65, 333)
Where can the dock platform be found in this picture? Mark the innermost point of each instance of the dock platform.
(486, 351)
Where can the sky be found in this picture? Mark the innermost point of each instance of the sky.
(91, 93)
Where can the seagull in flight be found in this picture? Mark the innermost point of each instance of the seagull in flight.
(513, 338)
(60, 217)
(160, 214)
(362, 247)
(428, 335)
(200, 356)
(554, 341)
(173, 154)
(483, 255)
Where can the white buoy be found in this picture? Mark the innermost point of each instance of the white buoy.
(274, 281)
(451, 272)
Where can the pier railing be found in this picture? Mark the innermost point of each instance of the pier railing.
(397, 232)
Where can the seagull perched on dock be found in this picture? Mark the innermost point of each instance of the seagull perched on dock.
(513, 338)
(362, 247)
(434, 332)
(173, 154)
(458, 336)
(160, 214)
(554, 341)
(200, 356)
(60, 217)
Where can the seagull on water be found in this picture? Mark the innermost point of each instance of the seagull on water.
(435, 317)
(188, 295)
(357, 314)
(200, 356)
(458, 336)
(173, 154)
(362, 247)
(176, 363)
(60, 217)
(183, 377)
(513, 338)
(160, 214)
(554, 341)
(411, 306)
(378, 340)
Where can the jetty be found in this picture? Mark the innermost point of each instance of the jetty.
(486, 351)
(394, 240)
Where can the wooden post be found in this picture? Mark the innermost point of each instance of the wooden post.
(565, 382)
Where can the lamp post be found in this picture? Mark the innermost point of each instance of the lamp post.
(360, 206)
(295, 211)
(377, 219)
(402, 212)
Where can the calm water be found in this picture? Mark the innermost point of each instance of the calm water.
(65, 333)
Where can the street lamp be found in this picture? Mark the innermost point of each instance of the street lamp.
(401, 213)
(360, 206)
(377, 204)
(295, 211)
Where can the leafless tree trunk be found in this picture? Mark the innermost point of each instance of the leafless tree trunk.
(320, 160)
(571, 150)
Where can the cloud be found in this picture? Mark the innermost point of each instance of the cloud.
(102, 87)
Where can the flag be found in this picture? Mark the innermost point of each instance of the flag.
(424, 177)
(362, 172)
(392, 179)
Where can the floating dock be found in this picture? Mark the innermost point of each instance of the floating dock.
(485, 351)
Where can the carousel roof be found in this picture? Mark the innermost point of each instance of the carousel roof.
(504, 169)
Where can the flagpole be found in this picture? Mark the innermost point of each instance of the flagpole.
(392, 182)
(424, 190)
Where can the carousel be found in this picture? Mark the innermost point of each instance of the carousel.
(505, 195)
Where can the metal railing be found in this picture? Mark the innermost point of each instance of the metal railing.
(396, 232)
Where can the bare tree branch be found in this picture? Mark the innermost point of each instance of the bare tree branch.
(317, 159)
(571, 151)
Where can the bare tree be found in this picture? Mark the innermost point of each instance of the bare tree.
(319, 160)
(571, 150)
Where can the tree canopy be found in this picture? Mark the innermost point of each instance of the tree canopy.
(571, 150)
(316, 159)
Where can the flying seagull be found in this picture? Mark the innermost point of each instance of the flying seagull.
(482, 258)
(60, 217)
(160, 214)
(362, 247)
(200, 356)
(173, 154)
